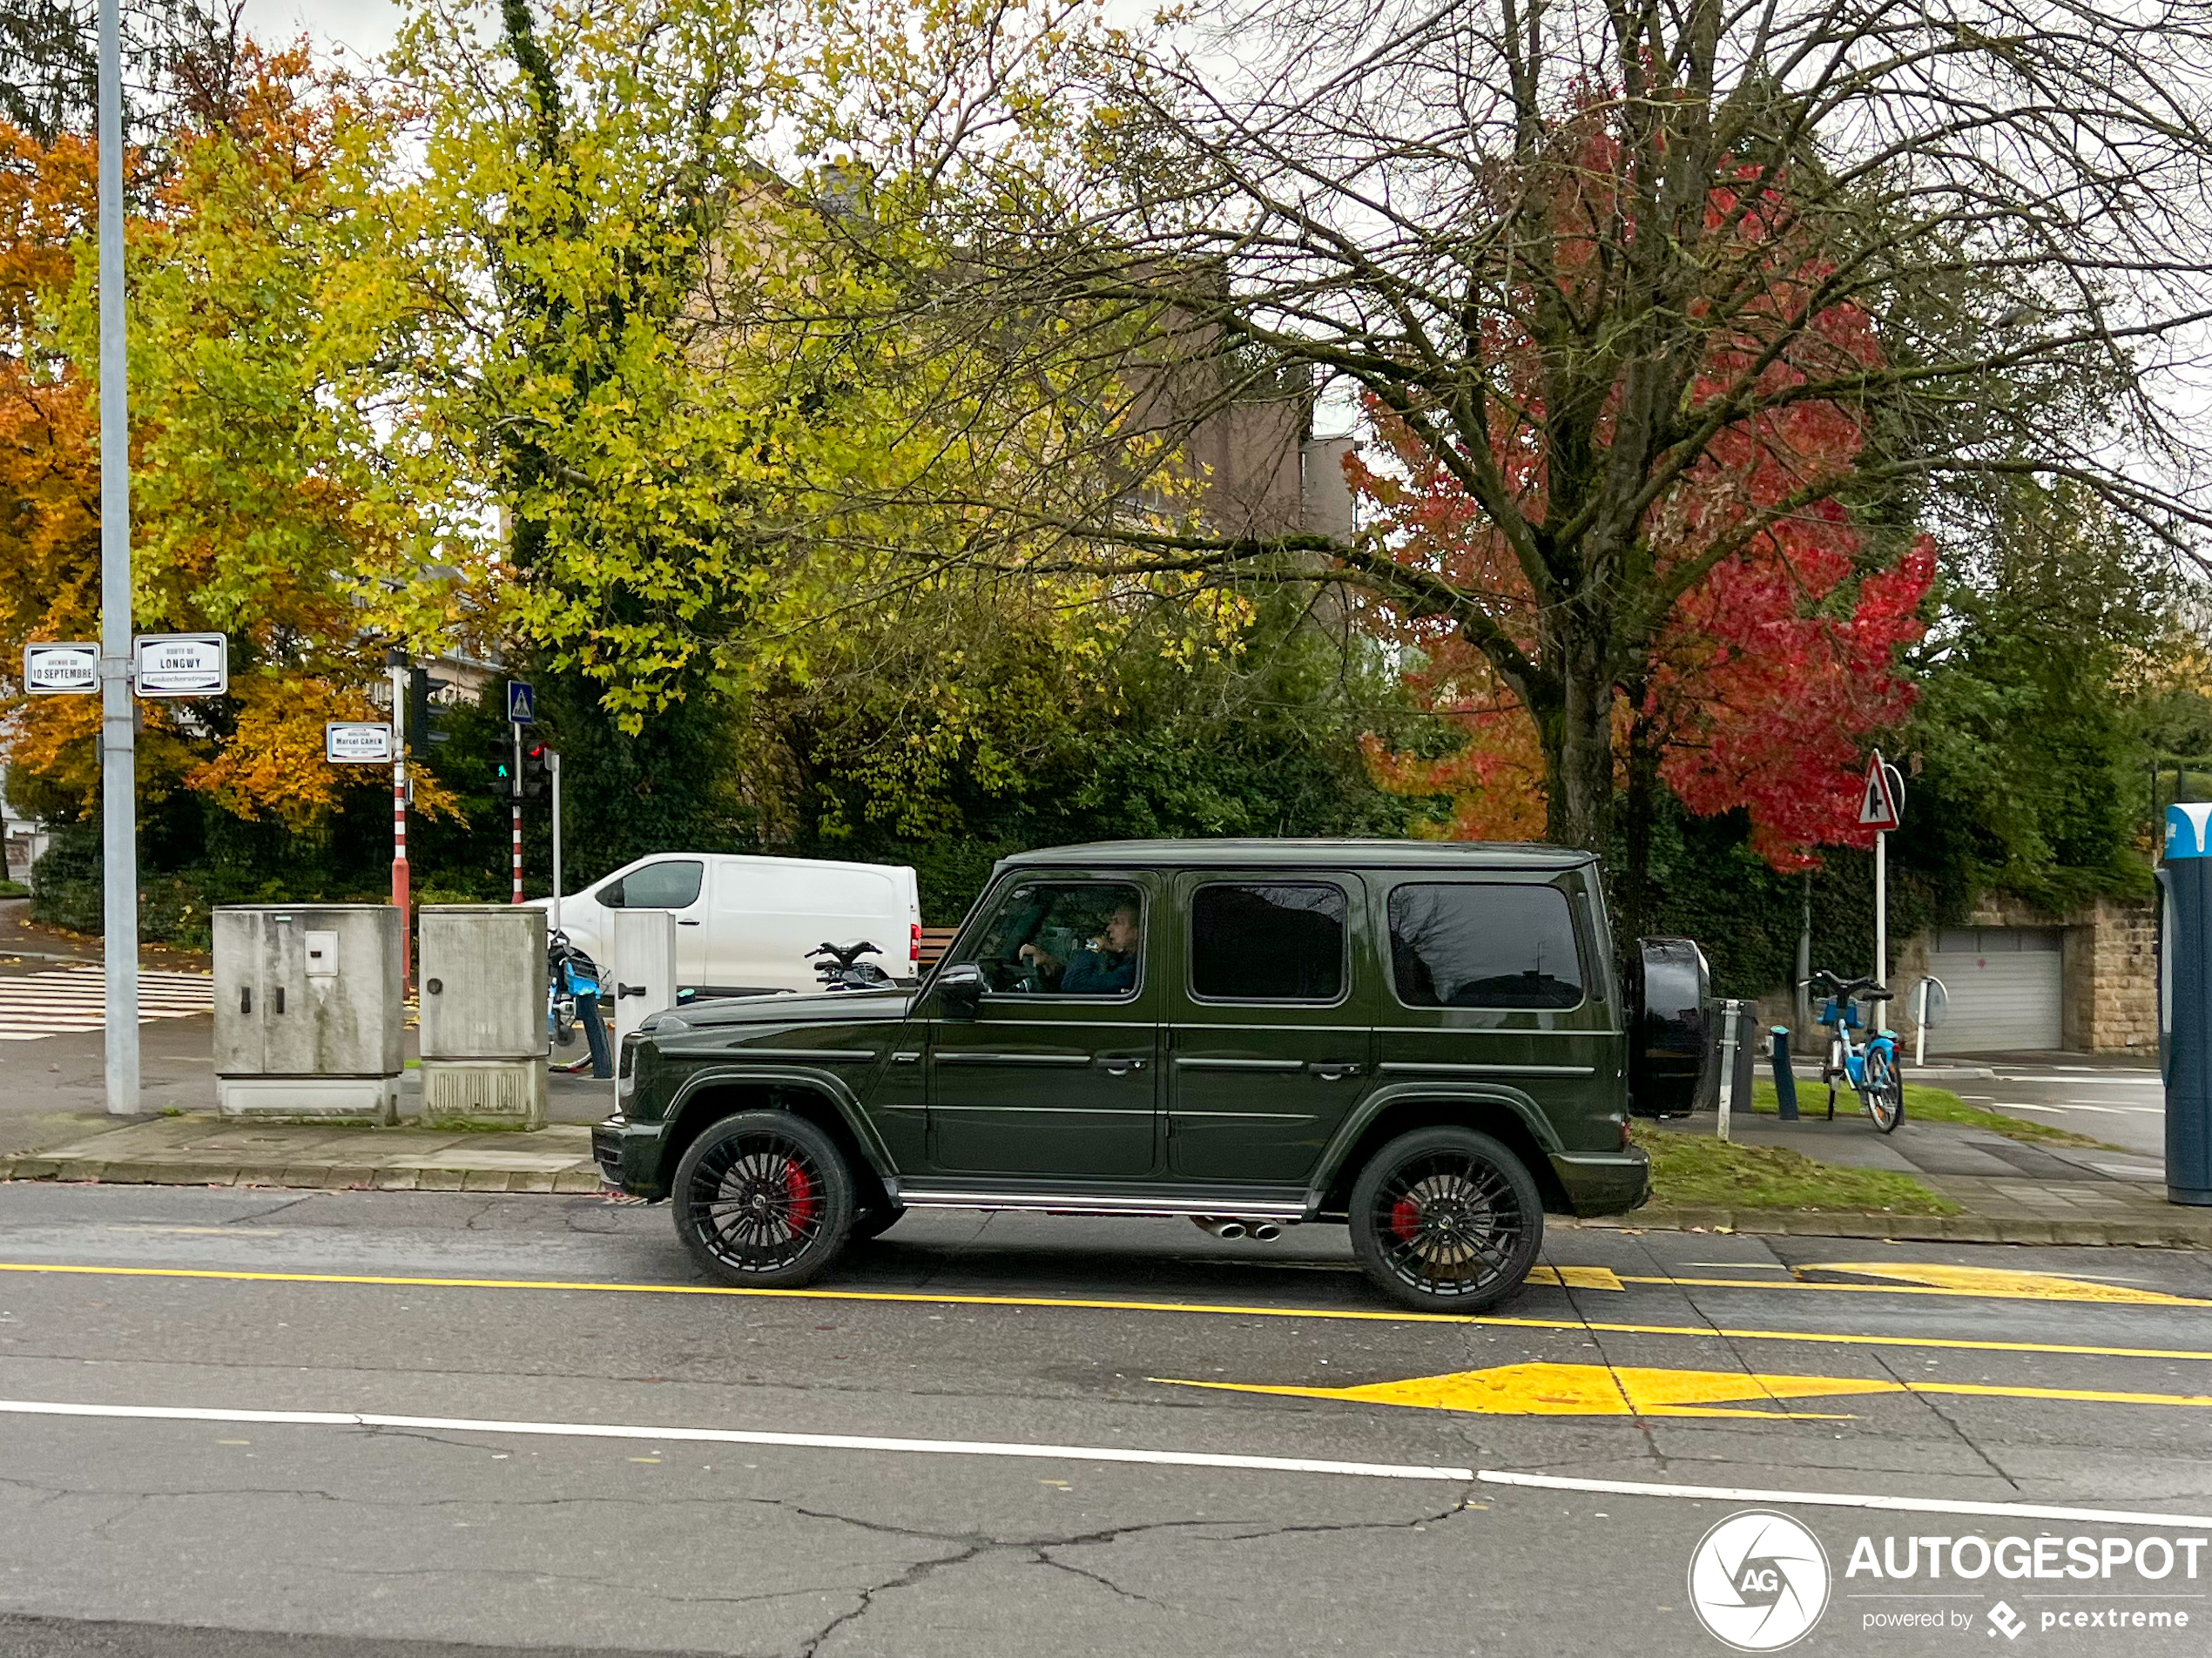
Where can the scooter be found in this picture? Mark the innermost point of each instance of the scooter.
(843, 970)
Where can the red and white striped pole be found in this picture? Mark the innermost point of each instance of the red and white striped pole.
(396, 661)
(514, 810)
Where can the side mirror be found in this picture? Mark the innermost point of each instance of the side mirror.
(962, 987)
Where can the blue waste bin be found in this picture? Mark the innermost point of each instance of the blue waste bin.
(2185, 1000)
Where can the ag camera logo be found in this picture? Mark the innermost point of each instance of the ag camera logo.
(1758, 1581)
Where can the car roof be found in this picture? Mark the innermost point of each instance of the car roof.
(1344, 854)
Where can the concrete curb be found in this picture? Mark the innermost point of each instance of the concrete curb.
(1935, 1229)
(319, 1178)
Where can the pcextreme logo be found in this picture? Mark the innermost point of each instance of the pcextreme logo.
(1758, 1581)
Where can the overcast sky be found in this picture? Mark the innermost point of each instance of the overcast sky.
(366, 26)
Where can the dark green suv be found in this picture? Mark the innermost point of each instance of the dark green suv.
(1427, 1041)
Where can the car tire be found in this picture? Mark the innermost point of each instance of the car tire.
(1446, 1220)
(763, 1199)
(875, 1222)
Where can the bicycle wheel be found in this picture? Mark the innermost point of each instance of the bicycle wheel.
(1884, 1091)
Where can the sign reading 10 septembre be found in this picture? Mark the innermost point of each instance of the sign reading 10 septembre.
(58, 667)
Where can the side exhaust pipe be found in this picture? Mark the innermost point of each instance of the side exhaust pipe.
(1263, 1231)
(1219, 1226)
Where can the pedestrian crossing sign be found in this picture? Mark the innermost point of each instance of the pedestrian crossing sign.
(521, 701)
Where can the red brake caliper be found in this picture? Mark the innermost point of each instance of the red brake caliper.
(798, 1192)
(1405, 1218)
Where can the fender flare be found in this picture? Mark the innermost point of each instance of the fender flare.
(827, 1085)
(1356, 1125)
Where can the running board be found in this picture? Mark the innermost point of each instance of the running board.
(1075, 1203)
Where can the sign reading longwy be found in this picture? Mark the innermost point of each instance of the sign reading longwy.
(183, 665)
(56, 666)
(356, 741)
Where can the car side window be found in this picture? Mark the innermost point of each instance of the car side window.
(1267, 941)
(673, 884)
(1484, 945)
(1064, 939)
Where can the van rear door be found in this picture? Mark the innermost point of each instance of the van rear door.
(770, 912)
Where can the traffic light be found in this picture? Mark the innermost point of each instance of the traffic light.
(536, 772)
(499, 752)
(422, 684)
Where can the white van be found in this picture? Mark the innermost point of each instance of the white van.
(745, 924)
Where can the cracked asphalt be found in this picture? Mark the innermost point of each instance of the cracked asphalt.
(184, 1536)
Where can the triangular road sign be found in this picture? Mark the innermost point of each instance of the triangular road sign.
(1878, 805)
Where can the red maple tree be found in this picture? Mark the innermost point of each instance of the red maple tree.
(1768, 674)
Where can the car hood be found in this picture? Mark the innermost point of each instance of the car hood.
(821, 1007)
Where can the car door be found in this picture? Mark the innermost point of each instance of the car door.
(1056, 1075)
(676, 884)
(1268, 1023)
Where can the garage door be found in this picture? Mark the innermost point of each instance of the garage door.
(2005, 985)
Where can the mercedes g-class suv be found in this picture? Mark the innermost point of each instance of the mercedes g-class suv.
(1427, 1041)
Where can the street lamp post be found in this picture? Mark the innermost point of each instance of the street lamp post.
(118, 747)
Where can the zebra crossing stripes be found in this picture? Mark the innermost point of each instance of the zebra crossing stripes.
(36, 1005)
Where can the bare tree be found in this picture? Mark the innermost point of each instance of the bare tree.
(1646, 279)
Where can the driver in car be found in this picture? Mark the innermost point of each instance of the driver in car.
(1107, 968)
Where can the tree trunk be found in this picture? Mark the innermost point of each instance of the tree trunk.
(1577, 736)
(1638, 900)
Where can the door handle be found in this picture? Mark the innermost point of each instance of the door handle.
(1118, 1064)
(622, 990)
(687, 924)
(1333, 1070)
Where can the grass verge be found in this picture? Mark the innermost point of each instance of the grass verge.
(1696, 1171)
(1924, 1104)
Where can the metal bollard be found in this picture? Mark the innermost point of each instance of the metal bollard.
(1786, 1082)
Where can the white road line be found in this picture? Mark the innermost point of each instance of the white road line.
(2071, 1105)
(2148, 1079)
(736, 1436)
(1841, 1500)
(1097, 1453)
(49, 1003)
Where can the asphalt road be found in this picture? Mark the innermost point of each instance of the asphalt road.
(570, 1444)
(2121, 1102)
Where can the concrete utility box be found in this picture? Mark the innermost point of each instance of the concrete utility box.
(309, 1011)
(645, 967)
(484, 1042)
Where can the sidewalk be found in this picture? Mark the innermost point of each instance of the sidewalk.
(2007, 1192)
(204, 1150)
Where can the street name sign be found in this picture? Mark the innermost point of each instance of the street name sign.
(183, 665)
(54, 668)
(357, 742)
(1878, 806)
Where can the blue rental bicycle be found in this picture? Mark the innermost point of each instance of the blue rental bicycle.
(1870, 1065)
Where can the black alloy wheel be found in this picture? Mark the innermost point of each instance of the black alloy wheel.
(1446, 1220)
(763, 1198)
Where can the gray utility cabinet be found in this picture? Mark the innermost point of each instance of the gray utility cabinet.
(484, 1041)
(309, 1011)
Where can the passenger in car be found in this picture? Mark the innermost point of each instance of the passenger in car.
(1107, 968)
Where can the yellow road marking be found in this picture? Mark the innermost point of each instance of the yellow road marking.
(1999, 1283)
(1577, 1277)
(1086, 1304)
(1603, 1390)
